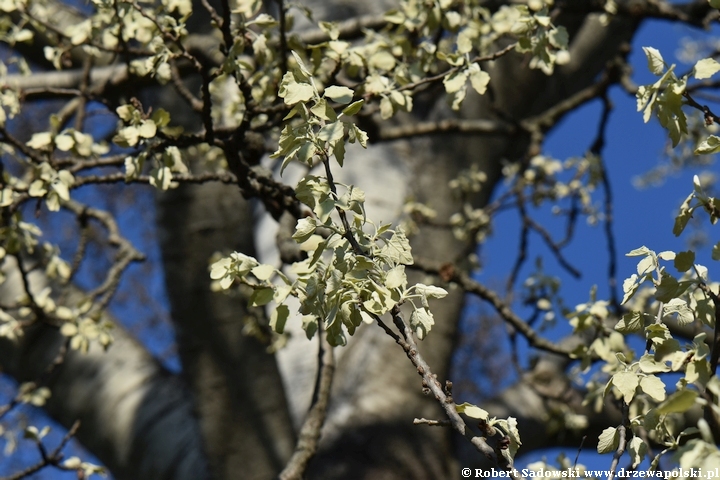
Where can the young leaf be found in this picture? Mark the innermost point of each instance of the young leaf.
(706, 68)
(304, 229)
(626, 383)
(398, 250)
(278, 318)
(653, 387)
(708, 146)
(353, 108)
(478, 79)
(455, 81)
(630, 323)
(342, 95)
(608, 440)
(656, 64)
(263, 272)
(472, 411)
(637, 450)
(678, 402)
(261, 296)
(684, 261)
(396, 277)
(716, 251)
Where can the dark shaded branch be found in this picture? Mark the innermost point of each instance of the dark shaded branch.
(697, 13)
(53, 459)
(450, 125)
(348, 29)
(450, 273)
(430, 381)
(715, 355)
(596, 149)
(309, 436)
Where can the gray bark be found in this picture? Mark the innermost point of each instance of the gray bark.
(135, 416)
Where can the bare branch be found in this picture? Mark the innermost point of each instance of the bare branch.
(452, 274)
(450, 125)
(309, 436)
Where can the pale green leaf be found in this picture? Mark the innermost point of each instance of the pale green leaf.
(608, 441)
(64, 142)
(161, 178)
(396, 277)
(40, 140)
(353, 108)
(279, 317)
(262, 20)
(310, 325)
(430, 291)
(630, 286)
(679, 402)
(263, 272)
(648, 364)
(655, 60)
(220, 268)
(37, 189)
(685, 314)
(148, 129)
(639, 252)
(332, 132)
(667, 289)
(304, 229)
(382, 60)
(646, 265)
(683, 217)
(716, 251)
(323, 111)
(478, 78)
(62, 190)
(125, 112)
(386, 108)
(339, 152)
(637, 450)
(298, 92)
(684, 261)
(630, 323)
(421, 322)
(261, 296)
(282, 292)
(653, 387)
(626, 383)
(301, 65)
(667, 255)
(355, 134)
(706, 68)
(342, 95)
(455, 81)
(472, 411)
(708, 146)
(398, 249)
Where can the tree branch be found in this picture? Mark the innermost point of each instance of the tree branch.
(450, 273)
(309, 436)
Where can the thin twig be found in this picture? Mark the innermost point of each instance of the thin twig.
(48, 459)
(622, 443)
(432, 423)
(450, 273)
(408, 344)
